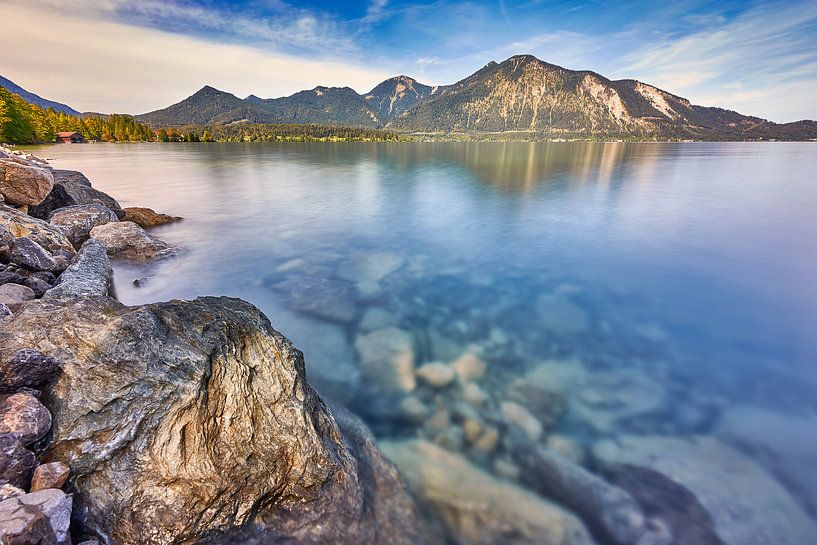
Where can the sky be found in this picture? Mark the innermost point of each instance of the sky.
(756, 57)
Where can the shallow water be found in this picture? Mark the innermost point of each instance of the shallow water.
(641, 290)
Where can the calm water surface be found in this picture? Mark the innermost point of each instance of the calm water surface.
(648, 289)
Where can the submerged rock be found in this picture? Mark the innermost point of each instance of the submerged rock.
(369, 268)
(184, 418)
(608, 510)
(89, 273)
(322, 297)
(23, 184)
(746, 505)
(127, 240)
(561, 315)
(145, 217)
(77, 221)
(475, 507)
(387, 359)
(436, 374)
(40, 518)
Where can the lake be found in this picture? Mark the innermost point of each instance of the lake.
(640, 303)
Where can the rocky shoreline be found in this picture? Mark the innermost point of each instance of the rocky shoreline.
(193, 421)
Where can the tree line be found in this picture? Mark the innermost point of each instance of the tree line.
(22, 122)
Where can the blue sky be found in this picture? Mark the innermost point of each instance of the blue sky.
(755, 57)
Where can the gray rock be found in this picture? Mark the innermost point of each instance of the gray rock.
(23, 184)
(4, 310)
(26, 368)
(15, 295)
(43, 233)
(322, 297)
(23, 417)
(127, 240)
(89, 274)
(29, 254)
(477, 508)
(38, 518)
(606, 509)
(368, 268)
(77, 221)
(182, 418)
(72, 188)
(747, 506)
(39, 287)
(17, 463)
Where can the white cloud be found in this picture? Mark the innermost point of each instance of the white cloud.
(100, 65)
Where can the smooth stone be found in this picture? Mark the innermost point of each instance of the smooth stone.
(488, 441)
(506, 469)
(475, 507)
(89, 274)
(27, 253)
(41, 517)
(369, 267)
(474, 395)
(607, 509)
(23, 184)
(190, 418)
(146, 217)
(27, 368)
(436, 374)
(15, 295)
(515, 414)
(17, 463)
(377, 318)
(747, 506)
(77, 221)
(561, 315)
(321, 297)
(413, 409)
(387, 359)
(23, 417)
(50, 475)
(469, 367)
(50, 237)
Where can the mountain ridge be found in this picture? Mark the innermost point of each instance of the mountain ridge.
(37, 99)
(522, 95)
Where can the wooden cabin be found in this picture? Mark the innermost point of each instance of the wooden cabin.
(70, 138)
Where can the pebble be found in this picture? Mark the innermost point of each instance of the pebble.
(469, 367)
(519, 416)
(436, 374)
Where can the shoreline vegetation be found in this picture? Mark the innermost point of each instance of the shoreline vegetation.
(22, 122)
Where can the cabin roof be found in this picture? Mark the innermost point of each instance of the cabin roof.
(67, 134)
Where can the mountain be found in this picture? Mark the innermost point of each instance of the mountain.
(524, 94)
(521, 96)
(36, 99)
(396, 95)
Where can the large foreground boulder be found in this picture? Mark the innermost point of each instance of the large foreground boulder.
(477, 508)
(185, 418)
(23, 184)
(127, 240)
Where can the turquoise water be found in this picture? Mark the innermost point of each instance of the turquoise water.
(648, 289)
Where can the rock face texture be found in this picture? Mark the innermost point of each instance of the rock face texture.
(38, 518)
(23, 417)
(181, 419)
(478, 509)
(89, 273)
(127, 240)
(26, 368)
(46, 235)
(77, 221)
(71, 188)
(23, 184)
(31, 255)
